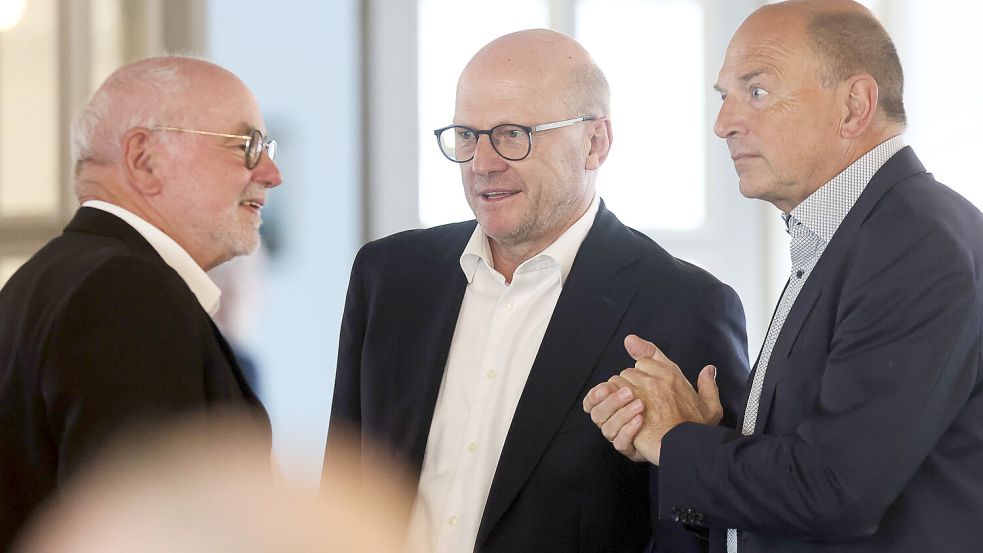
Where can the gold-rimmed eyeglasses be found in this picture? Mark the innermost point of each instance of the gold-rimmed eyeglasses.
(255, 143)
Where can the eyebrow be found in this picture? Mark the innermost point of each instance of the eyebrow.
(746, 77)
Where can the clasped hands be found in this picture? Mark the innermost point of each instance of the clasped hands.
(635, 409)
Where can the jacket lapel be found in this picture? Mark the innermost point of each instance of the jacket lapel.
(901, 166)
(593, 301)
(424, 343)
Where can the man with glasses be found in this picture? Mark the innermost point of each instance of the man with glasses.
(109, 324)
(465, 349)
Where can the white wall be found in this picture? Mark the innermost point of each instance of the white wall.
(302, 59)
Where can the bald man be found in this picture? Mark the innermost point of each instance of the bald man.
(863, 428)
(465, 349)
(110, 323)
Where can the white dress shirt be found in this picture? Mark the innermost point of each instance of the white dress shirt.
(174, 255)
(499, 330)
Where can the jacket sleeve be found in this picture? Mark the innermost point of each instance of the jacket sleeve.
(344, 426)
(124, 349)
(902, 362)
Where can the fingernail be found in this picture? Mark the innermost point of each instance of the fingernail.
(713, 372)
(636, 405)
(624, 393)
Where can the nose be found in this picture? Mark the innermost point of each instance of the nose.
(486, 160)
(730, 121)
(267, 172)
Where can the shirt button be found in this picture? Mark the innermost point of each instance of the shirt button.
(490, 375)
(510, 306)
(472, 447)
(452, 520)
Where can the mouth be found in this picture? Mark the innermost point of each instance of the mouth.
(252, 205)
(497, 195)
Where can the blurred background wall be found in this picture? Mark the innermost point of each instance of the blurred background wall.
(352, 89)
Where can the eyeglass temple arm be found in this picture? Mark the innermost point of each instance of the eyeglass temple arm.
(208, 133)
(564, 123)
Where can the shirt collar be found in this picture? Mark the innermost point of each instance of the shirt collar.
(562, 252)
(824, 210)
(204, 289)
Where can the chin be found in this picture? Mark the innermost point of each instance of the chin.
(752, 189)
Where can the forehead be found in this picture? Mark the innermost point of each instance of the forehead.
(779, 48)
(226, 102)
(487, 99)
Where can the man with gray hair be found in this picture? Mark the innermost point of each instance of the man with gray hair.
(863, 425)
(110, 323)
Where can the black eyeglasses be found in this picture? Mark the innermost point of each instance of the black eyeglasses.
(255, 143)
(513, 142)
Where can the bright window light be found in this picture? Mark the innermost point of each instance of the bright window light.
(653, 55)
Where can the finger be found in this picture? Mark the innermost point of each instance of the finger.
(624, 442)
(634, 377)
(639, 349)
(620, 418)
(610, 405)
(653, 367)
(620, 381)
(597, 395)
(709, 394)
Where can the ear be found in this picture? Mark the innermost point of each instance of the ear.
(600, 144)
(137, 150)
(860, 106)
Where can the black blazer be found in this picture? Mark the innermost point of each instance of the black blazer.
(96, 333)
(559, 485)
(871, 417)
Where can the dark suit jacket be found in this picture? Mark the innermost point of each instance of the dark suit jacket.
(97, 332)
(871, 420)
(559, 485)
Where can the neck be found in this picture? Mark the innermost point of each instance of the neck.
(848, 156)
(506, 258)
(104, 184)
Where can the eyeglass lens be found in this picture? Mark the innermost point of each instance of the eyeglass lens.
(510, 141)
(254, 149)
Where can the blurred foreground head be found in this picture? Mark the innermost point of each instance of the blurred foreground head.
(207, 486)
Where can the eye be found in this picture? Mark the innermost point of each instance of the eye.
(512, 134)
(464, 134)
(758, 93)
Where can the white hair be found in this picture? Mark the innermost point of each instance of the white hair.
(133, 96)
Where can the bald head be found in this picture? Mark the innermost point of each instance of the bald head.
(846, 39)
(166, 90)
(550, 64)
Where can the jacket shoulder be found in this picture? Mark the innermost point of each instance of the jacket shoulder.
(686, 279)
(417, 246)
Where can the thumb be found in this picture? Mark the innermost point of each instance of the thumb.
(640, 349)
(709, 394)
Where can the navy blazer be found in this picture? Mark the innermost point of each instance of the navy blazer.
(559, 485)
(870, 431)
(98, 333)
